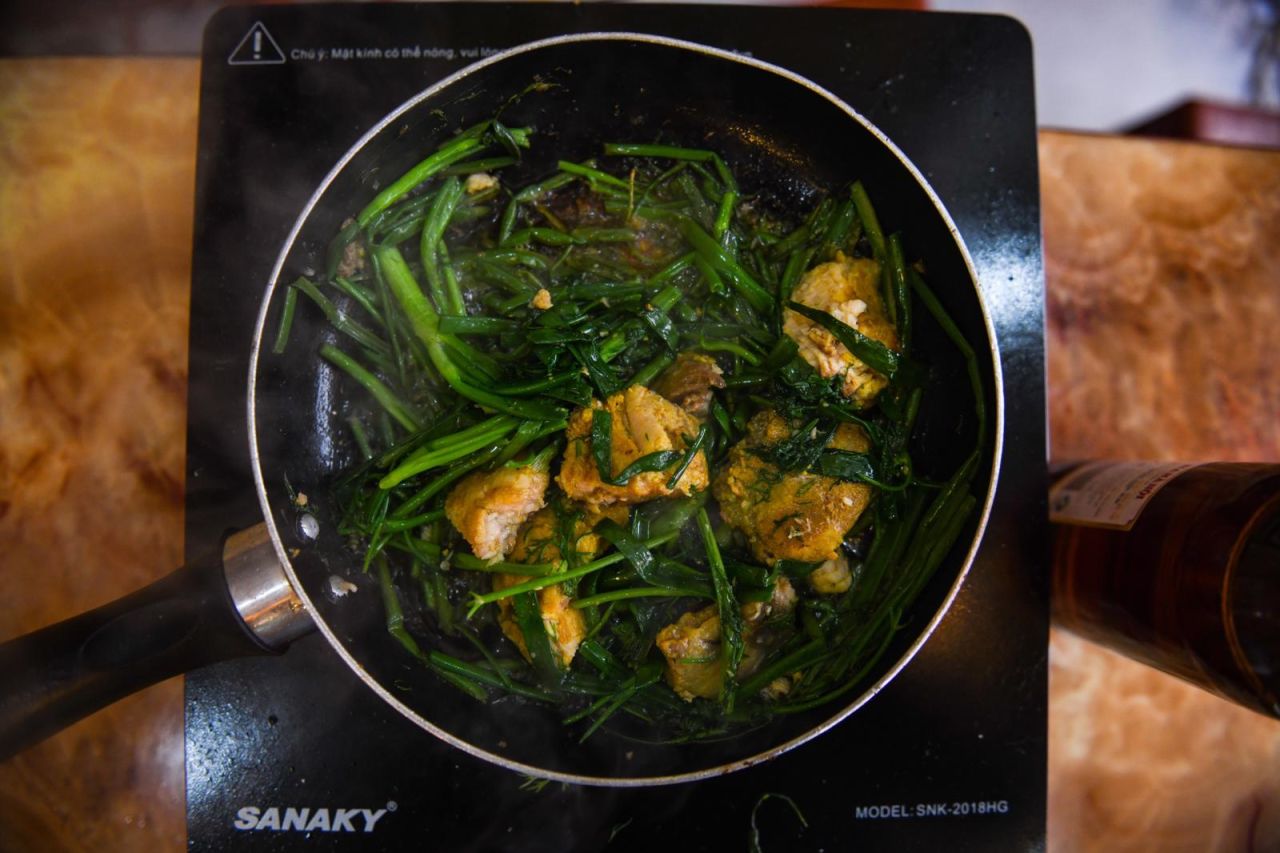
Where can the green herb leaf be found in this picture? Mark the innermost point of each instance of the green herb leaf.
(869, 351)
(796, 569)
(602, 443)
(802, 448)
(650, 463)
(640, 557)
(602, 376)
(394, 613)
(602, 451)
(533, 629)
(731, 625)
(847, 465)
(687, 459)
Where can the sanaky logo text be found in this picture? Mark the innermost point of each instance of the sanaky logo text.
(292, 819)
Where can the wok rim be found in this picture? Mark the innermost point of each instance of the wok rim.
(282, 552)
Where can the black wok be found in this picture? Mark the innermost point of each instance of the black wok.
(786, 139)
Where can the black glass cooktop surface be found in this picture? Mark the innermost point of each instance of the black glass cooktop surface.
(294, 752)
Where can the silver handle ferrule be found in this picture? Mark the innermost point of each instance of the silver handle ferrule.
(260, 589)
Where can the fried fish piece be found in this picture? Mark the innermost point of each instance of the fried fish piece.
(833, 577)
(488, 507)
(690, 381)
(540, 540)
(849, 290)
(643, 422)
(565, 625)
(692, 644)
(788, 515)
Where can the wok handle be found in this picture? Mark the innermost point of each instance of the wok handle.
(195, 616)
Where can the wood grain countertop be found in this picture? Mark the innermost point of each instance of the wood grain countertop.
(1163, 267)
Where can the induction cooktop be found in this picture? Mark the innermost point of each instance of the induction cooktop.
(293, 752)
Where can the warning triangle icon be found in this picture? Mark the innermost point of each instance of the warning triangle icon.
(257, 48)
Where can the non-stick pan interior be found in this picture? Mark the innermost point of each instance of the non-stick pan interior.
(789, 144)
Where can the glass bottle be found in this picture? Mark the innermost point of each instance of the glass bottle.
(1175, 565)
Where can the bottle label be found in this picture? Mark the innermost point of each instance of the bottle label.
(1109, 494)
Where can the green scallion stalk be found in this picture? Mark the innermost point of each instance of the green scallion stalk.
(931, 303)
(363, 297)
(650, 371)
(447, 663)
(425, 323)
(403, 517)
(471, 167)
(675, 153)
(394, 612)
(361, 438)
(870, 222)
(436, 457)
(725, 215)
(591, 174)
(286, 320)
(448, 154)
(731, 625)
(447, 197)
(358, 333)
(478, 601)
(392, 525)
(640, 592)
(714, 254)
(472, 563)
(898, 289)
(454, 324)
(387, 398)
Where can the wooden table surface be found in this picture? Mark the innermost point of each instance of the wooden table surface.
(1163, 267)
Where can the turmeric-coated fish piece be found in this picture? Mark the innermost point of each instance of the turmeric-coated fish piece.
(692, 644)
(488, 507)
(643, 422)
(849, 290)
(542, 539)
(690, 381)
(788, 515)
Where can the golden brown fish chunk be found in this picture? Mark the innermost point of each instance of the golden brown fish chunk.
(691, 646)
(689, 382)
(765, 624)
(488, 507)
(692, 643)
(832, 577)
(538, 541)
(792, 515)
(849, 290)
(539, 538)
(643, 423)
(564, 623)
(541, 300)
